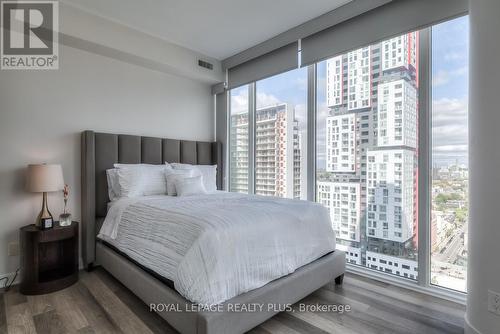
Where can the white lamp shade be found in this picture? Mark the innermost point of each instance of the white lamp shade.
(45, 178)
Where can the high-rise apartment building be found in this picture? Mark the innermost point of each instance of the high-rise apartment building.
(238, 142)
(334, 81)
(344, 201)
(359, 77)
(397, 114)
(341, 143)
(400, 52)
(371, 144)
(277, 152)
(390, 187)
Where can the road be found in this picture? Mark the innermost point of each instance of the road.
(454, 245)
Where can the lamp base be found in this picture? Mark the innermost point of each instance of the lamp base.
(45, 223)
(44, 220)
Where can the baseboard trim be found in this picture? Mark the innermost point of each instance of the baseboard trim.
(469, 329)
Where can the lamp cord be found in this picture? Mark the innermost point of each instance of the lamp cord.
(7, 285)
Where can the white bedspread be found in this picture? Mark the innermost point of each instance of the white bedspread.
(220, 245)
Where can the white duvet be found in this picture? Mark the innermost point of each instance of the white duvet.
(220, 245)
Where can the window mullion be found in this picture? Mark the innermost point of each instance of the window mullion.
(251, 140)
(311, 132)
(424, 151)
(229, 130)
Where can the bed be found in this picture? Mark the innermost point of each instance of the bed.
(304, 268)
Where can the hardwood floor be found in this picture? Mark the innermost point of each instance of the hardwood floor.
(100, 304)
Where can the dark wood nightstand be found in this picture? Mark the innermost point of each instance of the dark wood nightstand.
(49, 258)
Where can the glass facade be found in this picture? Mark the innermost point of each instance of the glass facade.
(366, 165)
(367, 149)
(239, 139)
(280, 135)
(449, 215)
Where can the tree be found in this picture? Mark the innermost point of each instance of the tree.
(461, 214)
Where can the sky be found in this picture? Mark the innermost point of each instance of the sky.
(450, 77)
(450, 49)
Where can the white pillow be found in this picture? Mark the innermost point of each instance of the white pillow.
(173, 175)
(113, 186)
(208, 172)
(154, 181)
(189, 186)
(142, 179)
(130, 181)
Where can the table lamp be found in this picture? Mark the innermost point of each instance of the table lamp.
(43, 179)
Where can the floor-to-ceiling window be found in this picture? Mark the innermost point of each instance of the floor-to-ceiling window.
(239, 139)
(449, 215)
(366, 167)
(280, 135)
(390, 149)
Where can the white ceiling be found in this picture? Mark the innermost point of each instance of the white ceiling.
(216, 28)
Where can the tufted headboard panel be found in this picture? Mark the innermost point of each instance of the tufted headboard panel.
(101, 150)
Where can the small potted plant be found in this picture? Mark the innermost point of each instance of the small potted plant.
(65, 217)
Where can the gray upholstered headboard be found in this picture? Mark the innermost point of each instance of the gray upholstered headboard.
(101, 150)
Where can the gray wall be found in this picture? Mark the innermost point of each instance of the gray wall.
(43, 112)
(484, 161)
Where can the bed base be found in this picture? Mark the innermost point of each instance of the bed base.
(283, 291)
